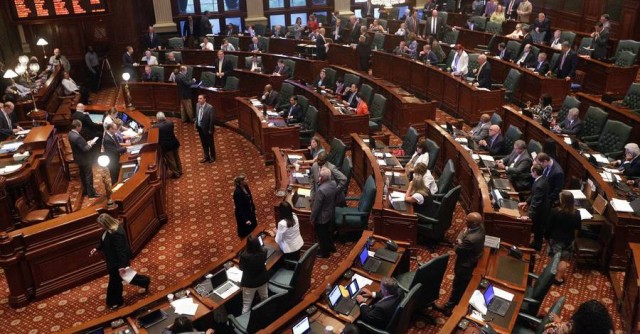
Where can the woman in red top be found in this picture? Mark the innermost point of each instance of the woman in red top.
(312, 23)
(362, 108)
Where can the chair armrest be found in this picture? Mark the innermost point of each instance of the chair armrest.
(351, 198)
(529, 318)
(427, 219)
(357, 214)
(437, 196)
(534, 276)
(291, 263)
(497, 85)
(281, 286)
(309, 131)
(590, 138)
(375, 119)
(531, 301)
(233, 322)
(369, 329)
(615, 155)
(592, 144)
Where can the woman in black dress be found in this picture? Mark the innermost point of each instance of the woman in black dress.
(117, 253)
(563, 225)
(245, 209)
(254, 273)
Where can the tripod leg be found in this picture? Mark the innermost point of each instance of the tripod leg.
(111, 72)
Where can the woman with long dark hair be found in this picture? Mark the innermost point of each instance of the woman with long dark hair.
(287, 234)
(254, 273)
(563, 224)
(245, 209)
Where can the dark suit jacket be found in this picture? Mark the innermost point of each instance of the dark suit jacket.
(151, 43)
(260, 47)
(599, 45)
(538, 201)
(254, 270)
(541, 68)
(321, 51)
(90, 129)
(363, 50)
(294, 111)
(439, 27)
(6, 131)
(333, 34)
(112, 149)
(519, 173)
(244, 208)
(127, 61)
(497, 147)
(484, 76)
(271, 99)
(186, 30)
(205, 26)
(184, 86)
(355, 33)
(79, 148)
(526, 39)
(116, 249)
(207, 118)
(569, 66)
(166, 137)
(574, 128)
(555, 179)
(507, 55)
(469, 251)
(324, 203)
(430, 58)
(480, 131)
(543, 27)
(378, 314)
(151, 77)
(346, 96)
(227, 68)
(321, 83)
(285, 71)
(529, 60)
(632, 169)
(513, 14)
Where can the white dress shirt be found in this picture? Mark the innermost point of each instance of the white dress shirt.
(289, 238)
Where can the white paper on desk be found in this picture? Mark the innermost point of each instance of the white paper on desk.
(381, 162)
(612, 170)
(475, 157)
(477, 301)
(577, 194)
(607, 178)
(485, 157)
(444, 125)
(11, 146)
(185, 306)
(621, 205)
(482, 88)
(297, 174)
(462, 140)
(92, 141)
(129, 133)
(397, 194)
(23, 132)
(304, 192)
(234, 274)
(21, 156)
(272, 113)
(362, 281)
(600, 158)
(567, 140)
(506, 295)
(584, 214)
(128, 274)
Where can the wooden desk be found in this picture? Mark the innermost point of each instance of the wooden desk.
(253, 126)
(154, 96)
(616, 113)
(457, 96)
(343, 55)
(223, 102)
(331, 122)
(631, 292)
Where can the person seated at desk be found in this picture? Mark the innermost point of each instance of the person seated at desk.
(556, 41)
(420, 188)
(630, 167)
(412, 45)
(287, 232)
(563, 225)
(349, 97)
(483, 73)
(277, 32)
(226, 46)
(495, 143)
(314, 150)
(590, 317)
(171, 59)
(149, 59)
(565, 67)
(282, 69)
(254, 273)
(460, 63)
(90, 129)
(322, 80)
(402, 49)
(526, 58)
(184, 325)
(269, 97)
(481, 130)
(256, 64)
(339, 86)
(421, 155)
(294, 113)
(541, 65)
(7, 127)
(572, 125)
(517, 33)
(361, 105)
(402, 31)
(149, 76)
(498, 15)
(222, 68)
(376, 27)
(386, 300)
(543, 111)
(503, 53)
(123, 139)
(112, 148)
(537, 205)
(206, 45)
(427, 55)
(256, 46)
(71, 88)
(517, 165)
(554, 174)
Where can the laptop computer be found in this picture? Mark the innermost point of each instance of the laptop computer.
(305, 179)
(221, 284)
(399, 205)
(488, 163)
(306, 327)
(269, 249)
(339, 303)
(509, 203)
(152, 318)
(300, 201)
(495, 304)
(501, 183)
(368, 263)
(387, 255)
(618, 185)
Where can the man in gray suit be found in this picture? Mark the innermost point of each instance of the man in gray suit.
(323, 211)
(517, 165)
(481, 131)
(336, 175)
(205, 127)
(572, 124)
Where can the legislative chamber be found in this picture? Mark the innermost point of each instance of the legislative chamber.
(363, 166)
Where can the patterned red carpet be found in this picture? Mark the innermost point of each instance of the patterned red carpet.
(202, 227)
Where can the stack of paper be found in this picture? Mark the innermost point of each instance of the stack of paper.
(383, 155)
(272, 114)
(567, 140)
(21, 156)
(612, 170)
(362, 281)
(621, 205)
(381, 162)
(584, 214)
(9, 169)
(185, 306)
(304, 192)
(462, 140)
(23, 132)
(577, 194)
(485, 157)
(600, 158)
(397, 194)
(234, 274)
(607, 177)
(294, 157)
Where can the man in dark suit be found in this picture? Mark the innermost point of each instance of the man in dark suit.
(322, 81)
(256, 46)
(599, 43)
(169, 143)
(206, 28)
(481, 130)
(469, 247)
(630, 167)
(336, 33)
(151, 40)
(222, 68)
(378, 313)
(206, 128)
(149, 76)
(517, 165)
(495, 143)
(542, 27)
(565, 67)
(7, 126)
(281, 69)
(503, 53)
(511, 9)
(537, 205)
(80, 149)
(321, 48)
(572, 124)
(363, 51)
(434, 26)
(294, 114)
(113, 150)
(184, 90)
(526, 39)
(128, 65)
(349, 97)
(90, 129)
(427, 55)
(190, 32)
(269, 96)
(323, 211)
(483, 76)
(336, 175)
(354, 24)
(554, 174)
(526, 58)
(541, 65)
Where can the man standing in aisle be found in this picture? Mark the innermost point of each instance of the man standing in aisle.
(80, 149)
(323, 211)
(184, 89)
(205, 127)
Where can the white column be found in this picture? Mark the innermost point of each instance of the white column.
(23, 40)
(343, 7)
(164, 16)
(255, 13)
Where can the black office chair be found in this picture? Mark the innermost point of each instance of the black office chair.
(356, 219)
(434, 150)
(295, 281)
(445, 182)
(260, 315)
(231, 83)
(401, 319)
(409, 143)
(430, 275)
(350, 79)
(309, 126)
(613, 137)
(346, 170)
(376, 113)
(512, 134)
(568, 103)
(286, 91)
(526, 321)
(330, 76)
(535, 293)
(303, 101)
(510, 84)
(495, 119)
(367, 93)
(436, 226)
(594, 121)
(534, 147)
(336, 152)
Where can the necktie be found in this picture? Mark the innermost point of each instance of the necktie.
(510, 7)
(502, 54)
(539, 64)
(200, 117)
(220, 66)
(563, 57)
(493, 139)
(546, 171)
(455, 62)
(471, 26)
(8, 120)
(351, 97)
(524, 55)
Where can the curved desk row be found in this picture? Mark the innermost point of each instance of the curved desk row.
(616, 113)
(52, 256)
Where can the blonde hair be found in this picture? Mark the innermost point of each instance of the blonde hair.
(109, 223)
(418, 185)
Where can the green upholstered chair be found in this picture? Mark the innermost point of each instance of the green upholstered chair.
(178, 56)
(535, 50)
(480, 22)
(568, 103)
(234, 41)
(378, 41)
(232, 83)
(434, 227)
(294, 277)
(534, 146)
(330, 76)
(189, 73)
(535, 293)
(303, 101)
(367, 93)
(525, 322)
(473, 64)
(632, 99)
(208, 79)
(383, 23)
(337, 151)
(568, 36)
(233, 59)
(628, 45)
(376, 112)
(613, 137)
(448, 60)
(513, 47)
(401, 318)
(510, 84)
(286, 91)
(292, 67)
(309, 126)
(261, 315)
(264, 41)
(625, 59)
(350, 79)
(585, 46)
(158, 71)
(434, 150)
(594, 121)
(248, 60)
(511, 135)
(445, 182)
(496, 119)
(450, 37)
(175, 43)
(409, 144)
(348, 219)
(492, 42)
(554, 59)
(260, 29)
(494, 28)
(346, 170)
(430, 275)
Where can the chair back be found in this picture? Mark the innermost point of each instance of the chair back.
(434, 150)
(178, 56)
(378, 105)
(513, 47)
(585, 46)
(232, 83)
(446, 179)
(568, 36)
(556, 309)
(292, 67)
(494, 28)
(450, 57)
(233, 59)
(496, 119)
(614, 136)
(265, 42)
(260, 29)
(569, 102)
(365, 204)
(510, 137)
(534, 146)
(208, 79)
(410, 141)
(189, 73)
(310, 121)
(594, 120)
(451, 37)
(330, 76)
(632, 99)
(346, 169)
(378, 41)
(44, 193)
(266, 312)
(303, 101)
(512, 81)
(175, 43)
(430, 275)
(383, 23)
(248, 60)
(301, 279)
(21, 207)
(234, 41)
(350, 79)
(286, 91)
(473, 64)
(535, 50)
(480, 21)
(554, 60)
(492, 43)
(625, 59)
(401, 318)
(159, 71)
(367, 93)
(336, 153)
(445, 212)
(628, 45)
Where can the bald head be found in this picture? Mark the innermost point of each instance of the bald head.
(484, 118)
(474, 219)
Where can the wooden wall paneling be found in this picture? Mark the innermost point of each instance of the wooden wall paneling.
(630, 15)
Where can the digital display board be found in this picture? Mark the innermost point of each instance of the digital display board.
(52, 9)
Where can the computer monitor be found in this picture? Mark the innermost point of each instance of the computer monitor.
(218, 278)
(401, 11)
(364, 255)
(302, 327)
(489, 294)
(124, 117)
(353, 288)
(335, 295)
